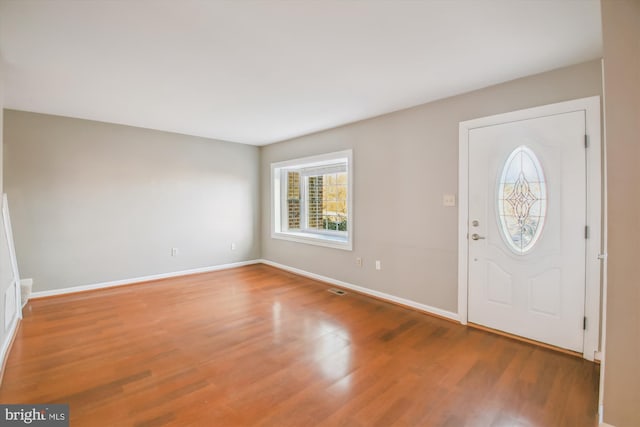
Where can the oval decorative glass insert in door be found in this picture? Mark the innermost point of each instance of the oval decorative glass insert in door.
(522, 200)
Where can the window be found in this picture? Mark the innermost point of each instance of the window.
(522, 200)
(312, 200)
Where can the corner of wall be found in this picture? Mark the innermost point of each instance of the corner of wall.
(6, 334)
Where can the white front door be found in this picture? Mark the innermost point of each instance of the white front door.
(527, 210)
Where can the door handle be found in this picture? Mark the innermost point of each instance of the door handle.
(476, 236)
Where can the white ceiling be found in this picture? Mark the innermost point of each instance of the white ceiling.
(257, 72)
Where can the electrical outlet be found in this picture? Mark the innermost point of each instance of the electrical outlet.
(174, 251)
(449, 200)
(359, 262)
(378, 265)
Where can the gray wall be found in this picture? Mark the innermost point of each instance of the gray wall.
(621, 34)
(93, 202)
(1, 121)
(403, 164)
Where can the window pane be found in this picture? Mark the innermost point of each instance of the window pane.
(327, 202)
(293, 200)
(522, 200)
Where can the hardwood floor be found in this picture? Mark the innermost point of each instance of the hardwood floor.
(257, 346)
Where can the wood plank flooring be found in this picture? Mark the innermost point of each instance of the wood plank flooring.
(257, 346)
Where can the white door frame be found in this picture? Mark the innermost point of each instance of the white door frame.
(594, 257)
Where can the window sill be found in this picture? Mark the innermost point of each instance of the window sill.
(336, 242)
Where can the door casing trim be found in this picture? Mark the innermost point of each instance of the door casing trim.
(594, 263)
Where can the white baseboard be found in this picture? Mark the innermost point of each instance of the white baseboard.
(601, 415)
(392, 298)
(83, 288)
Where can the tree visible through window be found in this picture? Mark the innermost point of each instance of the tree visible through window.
(326, 201)
(317, 201)
(315, 198)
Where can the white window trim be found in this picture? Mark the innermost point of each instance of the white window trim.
(337, 240)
